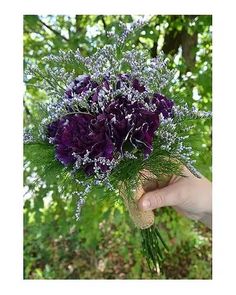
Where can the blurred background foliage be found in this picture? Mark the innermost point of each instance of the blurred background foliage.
(104, 244)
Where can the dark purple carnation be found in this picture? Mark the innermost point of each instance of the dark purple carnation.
(121, 125)
(80, 85)
(131, 123)
(137, 86)
(164, 105)
(78, 134)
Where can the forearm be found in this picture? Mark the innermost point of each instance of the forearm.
(207, 220)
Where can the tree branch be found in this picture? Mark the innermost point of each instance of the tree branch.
(104, 23)
(52, 30)
(154, 49)
(26, 108)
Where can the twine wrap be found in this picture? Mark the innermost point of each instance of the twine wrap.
(142, 219)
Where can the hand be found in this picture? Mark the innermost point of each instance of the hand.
(188, 195)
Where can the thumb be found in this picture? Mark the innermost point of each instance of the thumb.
(166, 196)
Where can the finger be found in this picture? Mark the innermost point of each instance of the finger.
(167, 196)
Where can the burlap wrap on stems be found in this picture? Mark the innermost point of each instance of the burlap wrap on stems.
(142, 219)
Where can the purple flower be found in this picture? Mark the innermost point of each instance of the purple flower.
(138, 86)
(78, 134)
(81, 84)
(164, 105)
(121, 125)
(131, 124)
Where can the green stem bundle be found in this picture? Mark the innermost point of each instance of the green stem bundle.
(153, 246)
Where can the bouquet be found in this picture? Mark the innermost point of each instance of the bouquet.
(112, 122)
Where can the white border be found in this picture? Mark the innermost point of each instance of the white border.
(118, 7)
(223, 142)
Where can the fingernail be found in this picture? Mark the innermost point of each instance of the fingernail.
(146, 204)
